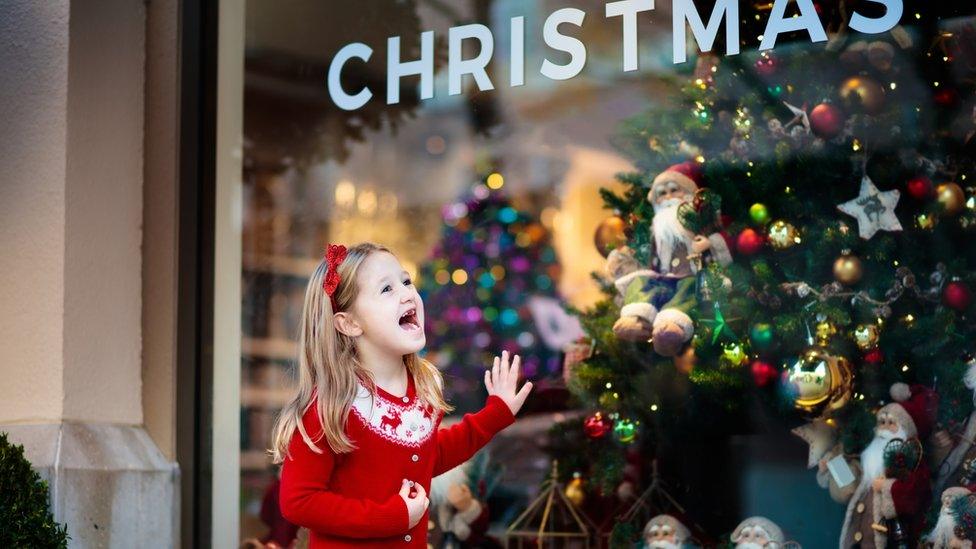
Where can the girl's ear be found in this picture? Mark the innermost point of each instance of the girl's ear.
(347, 325)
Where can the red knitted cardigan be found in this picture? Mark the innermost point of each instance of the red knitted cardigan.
(351, 499)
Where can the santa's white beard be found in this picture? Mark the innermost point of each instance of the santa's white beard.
(872, 458)
(970, 379)
(941, 535)
(668, 231)
(662, 544)
(753, 545)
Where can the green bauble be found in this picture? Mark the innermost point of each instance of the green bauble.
(759, 213)
(734, 354)
(761, 336)
(625, 430)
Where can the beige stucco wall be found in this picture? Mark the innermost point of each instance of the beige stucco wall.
(75, 107)
(103, 213)
(71, 211)
(33, 153)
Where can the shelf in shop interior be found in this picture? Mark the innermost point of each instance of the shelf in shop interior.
(272, 348)
(255, 460)
(260, 397)
(301, 267)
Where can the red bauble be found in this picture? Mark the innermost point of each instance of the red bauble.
(874, 356)
(956, 295)
(597, 425)
(749, 242)
(826, 120)
(946, 97)
(767, 65)
(763, 373)
(920, 187)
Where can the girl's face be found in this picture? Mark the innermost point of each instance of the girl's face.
(388, 311)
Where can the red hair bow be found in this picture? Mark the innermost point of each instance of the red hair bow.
(334, 255)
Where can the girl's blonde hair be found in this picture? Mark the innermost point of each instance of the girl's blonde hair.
(329, 366)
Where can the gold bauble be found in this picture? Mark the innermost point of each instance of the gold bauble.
(574, 490)
(862, 93)
(848, 269)
(782, 235)
(951, 197)
(824, 331)
(821, 382)
(610, 235)
(866, 336)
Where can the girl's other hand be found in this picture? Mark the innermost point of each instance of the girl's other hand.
(502, 380)
(416, 503)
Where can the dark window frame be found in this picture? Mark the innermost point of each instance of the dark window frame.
(195, 256)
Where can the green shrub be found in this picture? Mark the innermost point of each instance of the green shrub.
(25, 511)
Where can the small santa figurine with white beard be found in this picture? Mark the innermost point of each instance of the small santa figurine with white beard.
(757, 533)
(957, 466)
(666, 532)
(461, 519)
(875, 499)
(657, 300)
(964, 517)
(941, 535)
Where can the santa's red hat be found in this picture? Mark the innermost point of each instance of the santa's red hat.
(914, 408)
(687, 175)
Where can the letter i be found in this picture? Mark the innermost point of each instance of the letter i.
(518, 52)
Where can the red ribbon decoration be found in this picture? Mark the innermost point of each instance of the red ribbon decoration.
(334, 255)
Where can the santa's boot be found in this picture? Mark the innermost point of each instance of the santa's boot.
(672, 329)
(636, 322)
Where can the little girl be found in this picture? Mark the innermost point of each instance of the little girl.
(359, 442)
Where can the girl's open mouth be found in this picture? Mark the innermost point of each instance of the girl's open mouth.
(408, 321)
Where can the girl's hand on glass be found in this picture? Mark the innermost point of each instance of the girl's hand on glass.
(502, 380)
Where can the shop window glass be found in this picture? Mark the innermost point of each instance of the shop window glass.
(715, 265)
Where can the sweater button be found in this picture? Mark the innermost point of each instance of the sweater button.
(406, 399)
(415, 457)
(407, 537)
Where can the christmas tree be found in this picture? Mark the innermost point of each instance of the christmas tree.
(794, 246)
(491, 280)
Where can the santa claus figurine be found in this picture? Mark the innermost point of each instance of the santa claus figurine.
(657, 299)
(462, 520)
(632, 282)
(963, 510)
(941, 535)
(757, 533)
(875, 502)
(957, 468)
(666, 532)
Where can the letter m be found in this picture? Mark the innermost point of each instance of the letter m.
(683, 11)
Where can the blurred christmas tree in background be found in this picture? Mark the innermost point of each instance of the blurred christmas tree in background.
(829, 188)
(491, 280)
